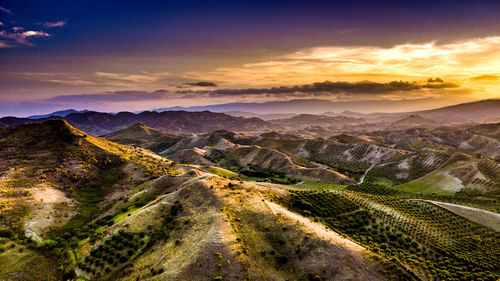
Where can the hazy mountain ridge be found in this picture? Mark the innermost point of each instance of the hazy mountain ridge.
(60, 113)
(99, 123)
(323, 125)
(298, 106)
(480, 111)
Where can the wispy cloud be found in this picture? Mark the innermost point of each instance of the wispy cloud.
(136, 78)
(20, 37)
(72, 82)
(5, 10)
(118, 96)
(4, 45)
(55, 24)
(486, 77)
(105, 80)
(31, 33)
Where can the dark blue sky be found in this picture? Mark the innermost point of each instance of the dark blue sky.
(180, 37)
(125, 27)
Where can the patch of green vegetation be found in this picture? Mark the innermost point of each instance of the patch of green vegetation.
(427, 184)
(284, 180)
(25, 265)
(142, 186)
(223, 173)
(374, 188)
(315, 185)
(259, 174)
(128, 211)
(21, 181)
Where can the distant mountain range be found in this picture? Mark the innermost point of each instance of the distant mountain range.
(261, 116)
(480, 111)
(98, 123)
(309, 106)
(61, 113)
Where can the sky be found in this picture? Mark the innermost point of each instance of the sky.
(132, 55)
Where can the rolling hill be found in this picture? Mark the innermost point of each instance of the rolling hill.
(480, 111)
(54, 178)
(143, 136)
(413, 121)
(76, 205)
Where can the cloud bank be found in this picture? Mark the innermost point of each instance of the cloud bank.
(327, 90)
(452, 61)
(202, 84)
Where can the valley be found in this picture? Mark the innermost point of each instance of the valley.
(417, 202)
(249, 140)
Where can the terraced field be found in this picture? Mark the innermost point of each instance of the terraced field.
(429, 242)
(408, 167)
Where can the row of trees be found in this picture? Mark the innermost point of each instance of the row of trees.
(416, 234)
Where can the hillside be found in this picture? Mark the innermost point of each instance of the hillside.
(199, 150)
(318, 120)
(480, 111)
(140, 135)
(55, 176)
(203, 227)
(413, 121)
(492, 130)
(409, 159)
(76, 205)
(137, 131)
(295, 155)
(467, 139)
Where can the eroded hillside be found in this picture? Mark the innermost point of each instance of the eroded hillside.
(273, 206)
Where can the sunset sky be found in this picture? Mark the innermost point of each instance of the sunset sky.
(137, 55)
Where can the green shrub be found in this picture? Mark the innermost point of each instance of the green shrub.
(5, 232)
(48, 245)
